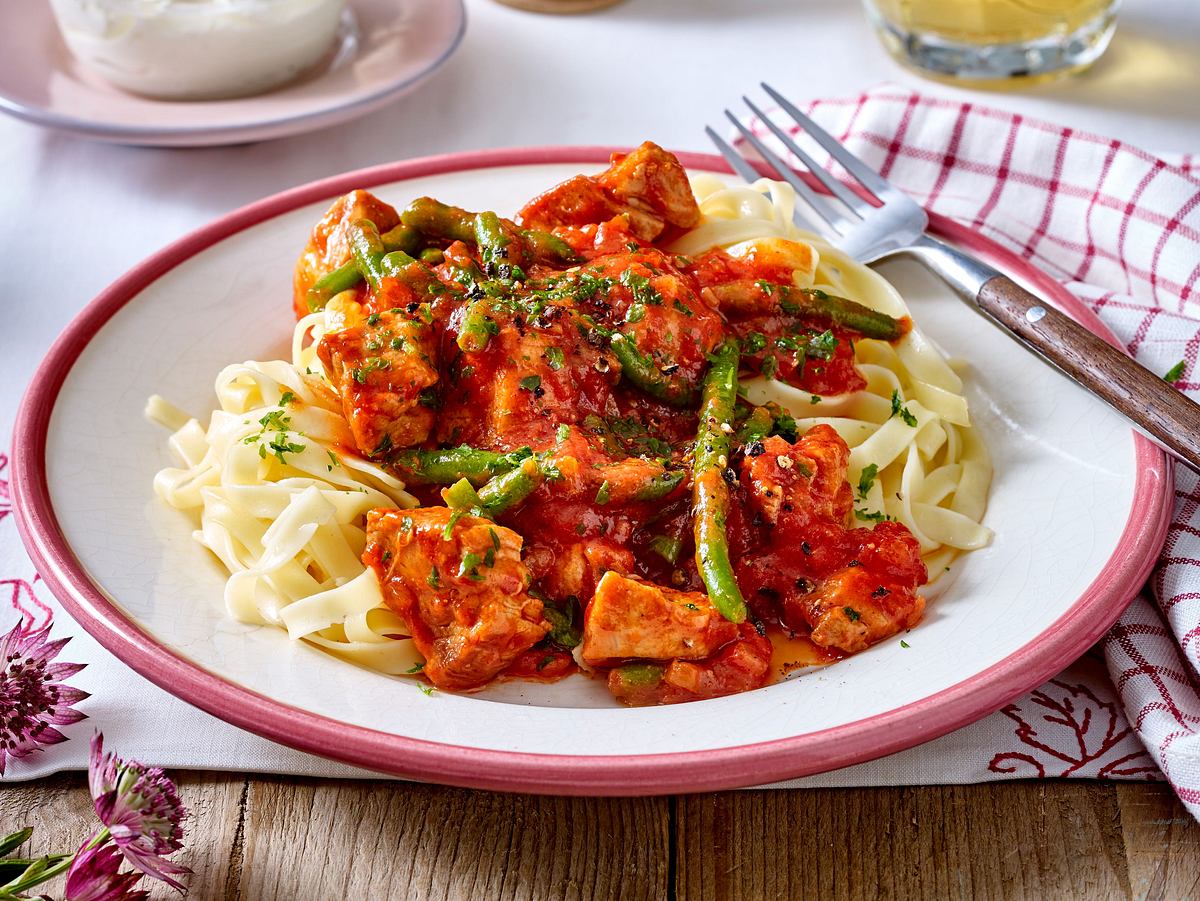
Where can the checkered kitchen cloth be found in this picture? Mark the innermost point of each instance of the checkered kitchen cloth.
(1120, 228)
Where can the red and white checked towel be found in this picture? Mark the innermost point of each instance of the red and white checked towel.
(1120, 228)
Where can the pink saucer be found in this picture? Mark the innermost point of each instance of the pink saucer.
(384, 49)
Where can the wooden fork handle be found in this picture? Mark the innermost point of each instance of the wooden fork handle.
(1161, 411)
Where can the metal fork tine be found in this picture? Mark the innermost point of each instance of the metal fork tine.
(835, 219)
(852, 164)
(835, 187)
(740, 166)
(749, 174)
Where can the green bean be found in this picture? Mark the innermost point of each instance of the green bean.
(848, 314)
(445, 467)
(461, 494)
(495, 246)
(640, 370)
(710, 492)
(349, 275)
(402, 238)
(506, 491)
(548, 247)
(477, 327)
(659, 486)
(756, 427)
(332, 283)
(439, 220)
(367, 247)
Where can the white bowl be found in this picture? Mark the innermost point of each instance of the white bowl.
(198, 49)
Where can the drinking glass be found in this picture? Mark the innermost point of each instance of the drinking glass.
(982, 40)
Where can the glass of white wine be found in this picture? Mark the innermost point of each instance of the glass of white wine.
(994, 40)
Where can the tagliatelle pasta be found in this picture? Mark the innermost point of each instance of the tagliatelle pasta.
(282, 498)
(557, 465)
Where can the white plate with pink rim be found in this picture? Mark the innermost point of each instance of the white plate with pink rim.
(383, 49)
(1079, 507)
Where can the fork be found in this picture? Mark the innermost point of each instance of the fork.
(896, 225)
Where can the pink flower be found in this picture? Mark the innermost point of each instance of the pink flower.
(141, 810)
(95, 876)
(33, 699)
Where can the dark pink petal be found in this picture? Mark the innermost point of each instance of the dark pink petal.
(66, 718)
(59, 671)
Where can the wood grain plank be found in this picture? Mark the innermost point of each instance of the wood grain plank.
(1162, 842)
(1013, 840)
(379, 839)
(60, 810)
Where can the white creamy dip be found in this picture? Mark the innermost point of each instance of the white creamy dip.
(198, 49)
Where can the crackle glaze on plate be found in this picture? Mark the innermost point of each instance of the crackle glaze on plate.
(383, 50)
(1079, 506)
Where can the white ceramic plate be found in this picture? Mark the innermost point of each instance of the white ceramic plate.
(1079, 507)
(383, 50)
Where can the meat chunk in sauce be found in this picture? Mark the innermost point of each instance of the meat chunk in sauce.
(862, 604)
(524, 384)
(382, 367)
(629, 618)
(648, 187)
(460, 587)
(329, 246)
(793, 483)
(741, 665)
(652, 179)
(850, 587)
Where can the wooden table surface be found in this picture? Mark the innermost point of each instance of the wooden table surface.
(284, 838)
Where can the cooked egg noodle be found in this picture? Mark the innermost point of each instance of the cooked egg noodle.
(281, 498)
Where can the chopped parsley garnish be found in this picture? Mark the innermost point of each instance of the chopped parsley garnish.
(563, 432)
(286, 398)
(602, 494)
(426, 690)
(333, 460)
(770, 366)
(554, 356)
(639, 286)
(902, 411)
(373, 319)
(904, 644)
(1176, 372)
(822, 346)
(852, 614)
(754, 342)
(433, 580)
(415, 668)
(495, 538)
(397, 343)
(867, 479)
(531, 383)
(785, 427)
(469, 567)
(637, 312)
(279, 444)
(666, 547)
(564, 624)
(815, 399)
(870, 515)
(371, 364)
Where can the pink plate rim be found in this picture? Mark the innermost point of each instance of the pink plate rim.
(753, 764)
